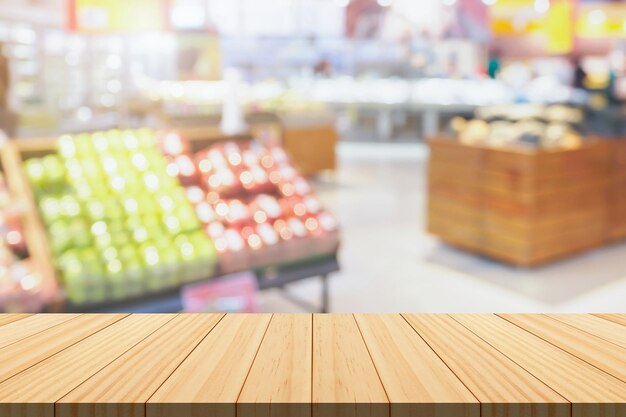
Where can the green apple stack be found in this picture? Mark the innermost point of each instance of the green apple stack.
(119, 225)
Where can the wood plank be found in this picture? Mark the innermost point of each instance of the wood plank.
(591, 391)
(502, 387)
(17, 357)
(123, 387)
(10, 318)
(279, 383)
(615, 318)
(21, 329)
(415, 379)
(345, 381)
(209, 381)
(30, 393)
(594, 350)
(607, 330)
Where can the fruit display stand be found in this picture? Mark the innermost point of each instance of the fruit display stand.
(304, 259)
(521, 206)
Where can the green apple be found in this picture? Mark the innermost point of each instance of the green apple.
(94, 209)
(131, 206)
(79, 230)
(60, 238)
(67, 146)
(145, 138)
(100, 142)
(35, 172)
(70, 207)
(116, 141)
(112, 210)
(168, 255)
(50, 208)
(165, 203)
(121, 239)
(84, 147)
(140, 234)
(172, 224)
(188, 218)
(155, 272)
(103, 241)
(116, 278)
(83, 277)
(109, 253)
(54, 171)
(92, 172)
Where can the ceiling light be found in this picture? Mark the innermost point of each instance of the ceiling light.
(542, 6)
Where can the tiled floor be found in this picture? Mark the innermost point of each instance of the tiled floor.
(390, 264)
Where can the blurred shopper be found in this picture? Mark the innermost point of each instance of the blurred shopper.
(578, 81)
(495, 63)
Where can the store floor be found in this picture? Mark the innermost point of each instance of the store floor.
(390, 264)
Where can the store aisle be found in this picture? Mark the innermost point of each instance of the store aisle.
(390, 264)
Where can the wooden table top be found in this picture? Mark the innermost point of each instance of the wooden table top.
(216, 365)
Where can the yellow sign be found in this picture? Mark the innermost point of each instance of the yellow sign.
(601, 20)
(559, 27)
(117, 15)
(522, 18)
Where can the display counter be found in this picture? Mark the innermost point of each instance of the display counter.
(312, 365)
(526, 206)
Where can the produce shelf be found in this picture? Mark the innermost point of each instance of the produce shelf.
(273, 266)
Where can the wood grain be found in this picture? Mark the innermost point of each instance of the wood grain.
(239, 365)
(31, 393)
(279, 382)
(591, 391)
(21, 329)
(592, 349)
(345, 381)
(501, 386)
(10, 318)
(123, 387)
(415, 379)
(209, 381)
(607, 330)
(615, 318)
(17, 357)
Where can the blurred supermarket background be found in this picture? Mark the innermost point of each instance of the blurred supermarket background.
(313, 155)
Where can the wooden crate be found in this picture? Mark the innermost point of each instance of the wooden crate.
(517, 205)
(311, 148)
(34, 231)
(617, 191)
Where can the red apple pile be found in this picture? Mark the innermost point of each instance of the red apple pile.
(248, 196)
